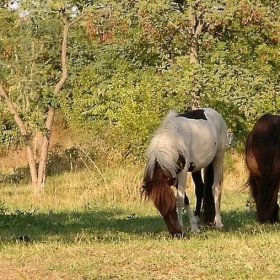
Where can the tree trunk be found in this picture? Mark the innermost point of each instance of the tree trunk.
(32, 168)
(195, 31)
(51, 112)
(45, 149)
(38, 178)
(25, 135)
(51, 109)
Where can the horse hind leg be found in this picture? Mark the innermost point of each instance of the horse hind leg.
(217, 200)
(212, 196)
(217, 194)
(199, 191)
(275, 214)
(208, 198)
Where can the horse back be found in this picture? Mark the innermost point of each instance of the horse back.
(206, 134)
(207, 119)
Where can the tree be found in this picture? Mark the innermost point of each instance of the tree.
(221, 54)
(135, 60)
(45, 101)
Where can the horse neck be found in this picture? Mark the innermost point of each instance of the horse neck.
(164, 150)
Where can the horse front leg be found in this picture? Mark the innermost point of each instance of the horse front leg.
(183, 202)
(180, 204)
(192, 218)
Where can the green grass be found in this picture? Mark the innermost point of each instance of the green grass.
(85, 227)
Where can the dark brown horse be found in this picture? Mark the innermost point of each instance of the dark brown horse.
(263, 161)
(187, 142)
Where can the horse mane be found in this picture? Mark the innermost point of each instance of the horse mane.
(162, 165)
(158, 189)
(165, 146)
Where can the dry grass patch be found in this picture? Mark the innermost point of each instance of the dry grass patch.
(210, 255)
(92, 225)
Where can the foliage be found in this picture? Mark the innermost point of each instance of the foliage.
(129, 63)
(141, 68)
(130, 108)
(30, 63)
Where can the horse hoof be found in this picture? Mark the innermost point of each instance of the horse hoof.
(177, 235)
(194, 229)
(220, 227)
(197, 219)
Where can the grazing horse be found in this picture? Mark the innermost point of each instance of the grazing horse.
(187, 142)
(262, 152)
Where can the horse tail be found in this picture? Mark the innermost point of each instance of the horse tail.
(208, 200)
(265, 192)
(263, 161)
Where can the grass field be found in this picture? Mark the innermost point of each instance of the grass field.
(92, 225)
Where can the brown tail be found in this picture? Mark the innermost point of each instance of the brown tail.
(264, 187)
(265, 190)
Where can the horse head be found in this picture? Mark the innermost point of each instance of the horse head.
(157, 187)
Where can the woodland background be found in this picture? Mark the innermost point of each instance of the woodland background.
(128, 63)
(83, 85)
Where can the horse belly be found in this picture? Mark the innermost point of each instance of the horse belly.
(199, 162)
(203, 139)
(203, 150)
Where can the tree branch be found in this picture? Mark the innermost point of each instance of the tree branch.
(13, 111)
(64, 76)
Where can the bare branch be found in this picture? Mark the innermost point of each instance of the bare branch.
(64, 76)
(13, 111)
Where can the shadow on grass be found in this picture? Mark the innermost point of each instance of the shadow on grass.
(104, 225)
(237, 220)
(243, 222)
(76, 225)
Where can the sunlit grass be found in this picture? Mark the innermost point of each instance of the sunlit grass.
(93, 225)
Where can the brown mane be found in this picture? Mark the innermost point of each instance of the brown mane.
(158, 189)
